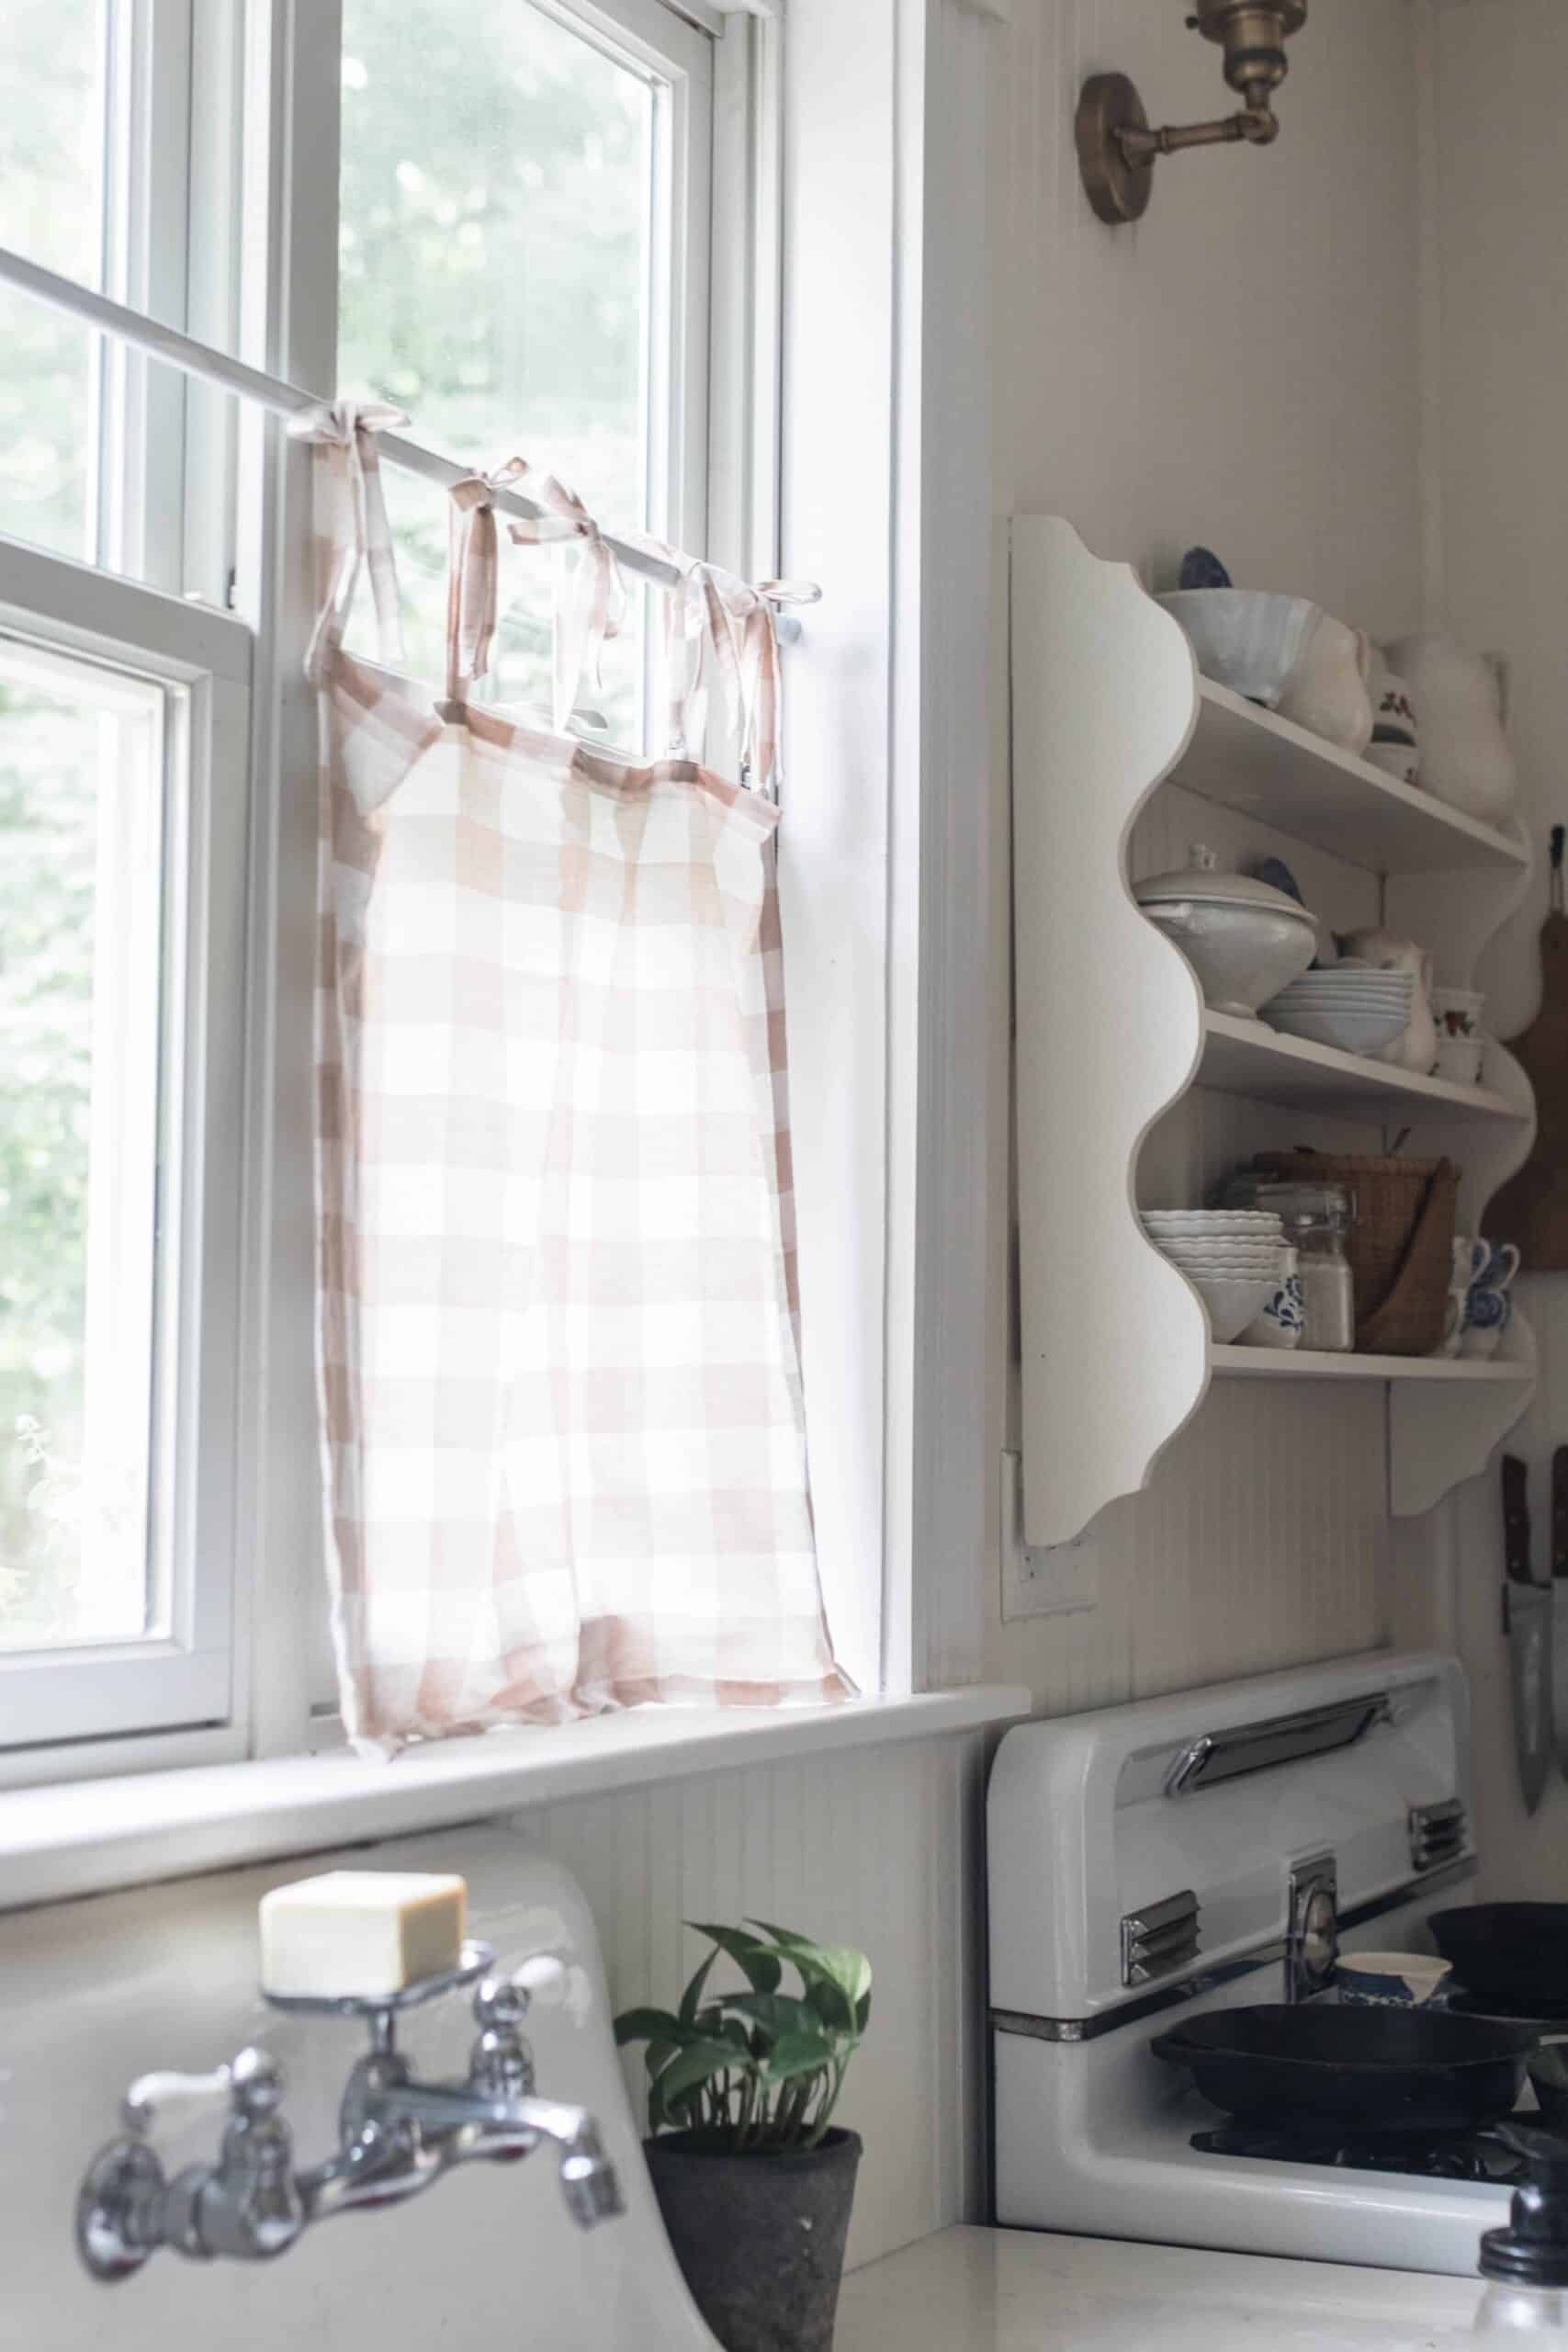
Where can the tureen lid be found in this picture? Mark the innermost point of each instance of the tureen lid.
(1205, 884)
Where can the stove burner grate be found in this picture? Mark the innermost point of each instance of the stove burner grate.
(1435, 2155)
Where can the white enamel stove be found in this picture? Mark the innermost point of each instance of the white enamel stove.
(1197, 1851)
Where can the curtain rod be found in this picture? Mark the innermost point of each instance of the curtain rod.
(196, 358)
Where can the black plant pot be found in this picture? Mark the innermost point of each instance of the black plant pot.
(760, 2238)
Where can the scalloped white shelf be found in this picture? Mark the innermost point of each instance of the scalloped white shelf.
(1112, 1031)
(1243, 1057)
(1311, 1363)
(1248, 758)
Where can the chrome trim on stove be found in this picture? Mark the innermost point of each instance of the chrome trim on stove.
(1437, 1832)
(1209, 1980)
(1220, 1756)
(1161, 1940)
(1312, 1927)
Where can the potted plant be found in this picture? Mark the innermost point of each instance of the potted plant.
(754, 2181)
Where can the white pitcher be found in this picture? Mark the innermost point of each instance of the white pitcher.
(1415, 1048)
(1330, 688)
(1465, 759)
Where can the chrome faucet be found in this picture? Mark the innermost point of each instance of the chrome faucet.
(396, 2135)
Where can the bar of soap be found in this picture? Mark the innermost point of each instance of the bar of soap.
(359, 1934)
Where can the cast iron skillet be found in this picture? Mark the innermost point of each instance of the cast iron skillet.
(1548, 2075)
(1511, 1952)
(1382, 2070)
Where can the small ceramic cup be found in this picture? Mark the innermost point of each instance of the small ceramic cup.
(1279, 1324)
(1501, 1264)
(1453, 1320)
(1486, 1316)
(1460, 1045)
(1392, 1980)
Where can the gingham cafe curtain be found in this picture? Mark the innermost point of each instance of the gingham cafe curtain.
(558, 1352)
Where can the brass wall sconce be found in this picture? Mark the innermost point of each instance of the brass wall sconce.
(1116, 147)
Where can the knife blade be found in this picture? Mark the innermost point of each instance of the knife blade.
(1560, 1603)
(1526, 1618)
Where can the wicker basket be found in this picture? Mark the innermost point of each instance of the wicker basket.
(1401, 1243)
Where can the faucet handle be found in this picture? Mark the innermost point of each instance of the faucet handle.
(503, 1999)
(501, 2065)
(152, 2097)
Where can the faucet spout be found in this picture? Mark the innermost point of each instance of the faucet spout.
(477, 2123)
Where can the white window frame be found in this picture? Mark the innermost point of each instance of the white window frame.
(182, 1676)
(865, 200)
(869, 499)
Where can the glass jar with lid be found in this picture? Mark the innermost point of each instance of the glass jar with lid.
(1316, 1220)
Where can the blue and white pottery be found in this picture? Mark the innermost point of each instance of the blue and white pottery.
(1281, 1322)
(1486, 1318)
(1393, 1980)
(1496, 1264)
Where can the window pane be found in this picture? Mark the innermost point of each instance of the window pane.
(497, 281)
(52, 209)
(81, 763)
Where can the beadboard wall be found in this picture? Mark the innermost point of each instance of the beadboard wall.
(868, 1849)
(1497, 530)
(1241, 368)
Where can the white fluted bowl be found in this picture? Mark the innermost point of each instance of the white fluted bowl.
(1232, 1302)
(1246, 637)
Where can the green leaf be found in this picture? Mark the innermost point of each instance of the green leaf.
(776, 2013)
(798, 2054)
(863, 2012)
(649, 2025)
(696, 2064)
(693, 1992)
(849, 1969)
(751, 1955)
(828, 2002)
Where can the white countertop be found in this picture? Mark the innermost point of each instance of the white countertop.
(1017, 2291)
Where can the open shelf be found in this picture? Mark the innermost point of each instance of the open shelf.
(1248, 758)
(1115, 1354)
(1242, 1056)
(1309, 1363)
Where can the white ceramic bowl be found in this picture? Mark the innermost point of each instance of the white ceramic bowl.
(1350, 1029)
(1232, 1303)
(1213, 1220)
(1227, 1261)
(1220, 1245)
(1263, 1264)
(1246, 637)
(1223, 1226)
(1308, 990)
(1241, 954)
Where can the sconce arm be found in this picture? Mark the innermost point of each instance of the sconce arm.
(1258, 126)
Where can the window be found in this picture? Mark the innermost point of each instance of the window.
(108, 174)
(523, 264)
(500, 215)
(123, 739)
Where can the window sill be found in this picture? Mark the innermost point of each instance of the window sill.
(86, 1838)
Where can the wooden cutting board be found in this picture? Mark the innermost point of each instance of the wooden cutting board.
(1531, 1210)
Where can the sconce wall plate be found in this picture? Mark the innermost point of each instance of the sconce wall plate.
(1118, 188)
(1116, 147)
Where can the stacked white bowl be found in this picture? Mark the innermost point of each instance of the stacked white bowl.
(1348, 1006)
(1234, 1259)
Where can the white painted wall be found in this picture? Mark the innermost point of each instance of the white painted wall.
(1240, 368)
(867, 1848)
(1498, 578)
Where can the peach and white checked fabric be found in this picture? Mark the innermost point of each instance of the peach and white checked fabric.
(564, 1435)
